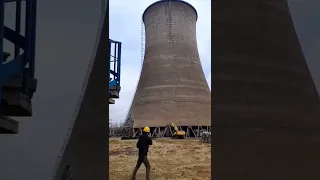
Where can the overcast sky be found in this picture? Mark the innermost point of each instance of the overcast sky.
(66, 36)
(125, 26)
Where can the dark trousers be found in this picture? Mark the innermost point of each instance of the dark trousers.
(145, 161)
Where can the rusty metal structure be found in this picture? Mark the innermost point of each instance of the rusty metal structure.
(172, 85)
(266, 122)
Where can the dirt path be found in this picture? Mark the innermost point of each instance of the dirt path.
(169, 159)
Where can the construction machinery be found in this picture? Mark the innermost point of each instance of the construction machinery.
(177, 134)
(114, 70)
(17, 80)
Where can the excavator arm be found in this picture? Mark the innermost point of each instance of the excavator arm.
(174, 127)
(176, 130)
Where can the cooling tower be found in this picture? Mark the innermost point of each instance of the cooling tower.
(265, 105)
(172, 85)
(85, 153)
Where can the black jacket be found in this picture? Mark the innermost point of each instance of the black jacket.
(143, 144)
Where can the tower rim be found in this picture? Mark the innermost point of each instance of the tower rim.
(155, 3)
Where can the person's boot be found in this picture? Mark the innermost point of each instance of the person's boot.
(134, 174)
(133, 177)
(148, 174)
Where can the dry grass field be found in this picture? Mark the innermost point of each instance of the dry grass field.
(169, 158)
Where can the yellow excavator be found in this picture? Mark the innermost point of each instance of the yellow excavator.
(177, 134)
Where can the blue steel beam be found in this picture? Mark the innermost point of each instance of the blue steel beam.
(115, 67)
(21, 65)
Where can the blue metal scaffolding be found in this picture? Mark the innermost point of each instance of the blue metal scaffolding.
(17, 81)
(114, 70)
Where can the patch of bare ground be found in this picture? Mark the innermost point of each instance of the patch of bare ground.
(170, 159)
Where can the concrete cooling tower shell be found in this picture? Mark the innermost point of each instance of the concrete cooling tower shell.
(172, 85)
(265, 104)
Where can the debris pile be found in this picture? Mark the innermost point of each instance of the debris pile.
(205, 137)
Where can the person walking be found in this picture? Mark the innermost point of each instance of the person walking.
(143, 145)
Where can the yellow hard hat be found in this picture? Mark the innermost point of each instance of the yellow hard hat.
(146, 129)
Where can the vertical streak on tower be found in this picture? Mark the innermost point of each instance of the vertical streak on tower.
(172, 85)
(265, 105)
(142, 43)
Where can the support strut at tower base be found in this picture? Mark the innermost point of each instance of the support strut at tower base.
(166, 131)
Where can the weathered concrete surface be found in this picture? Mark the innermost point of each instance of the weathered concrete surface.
(87, 151)
(172, 85)
(266, 122)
